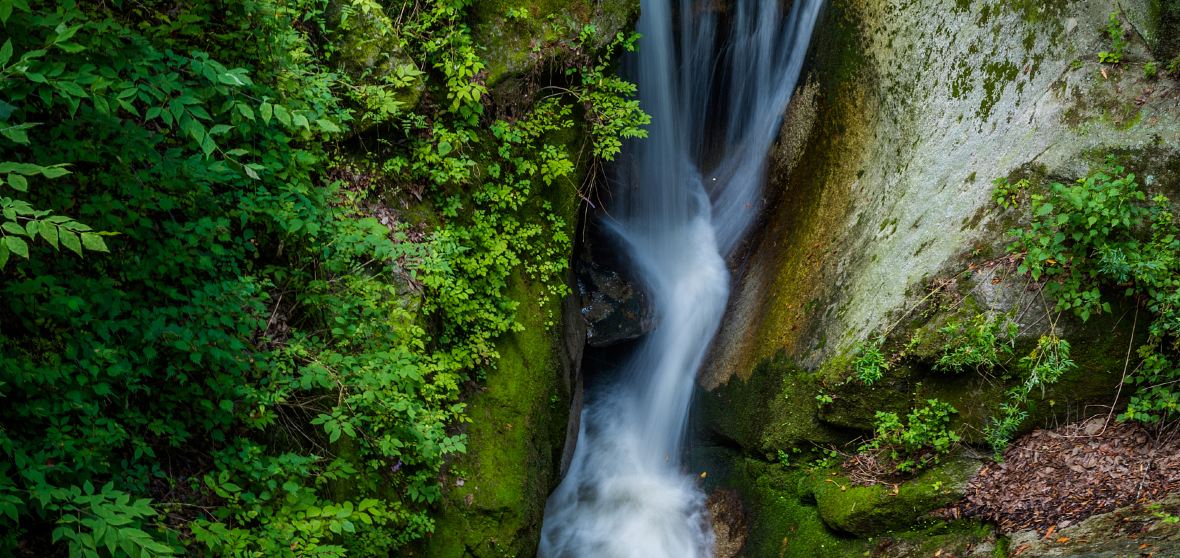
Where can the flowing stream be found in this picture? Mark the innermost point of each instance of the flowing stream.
(716, 86)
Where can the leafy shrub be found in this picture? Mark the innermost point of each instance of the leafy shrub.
(1102, 232)
(978, 343)
(869, 364)
(917, 443)
(254, 364)
(1118, 42)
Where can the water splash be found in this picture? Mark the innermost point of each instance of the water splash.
(715, 87)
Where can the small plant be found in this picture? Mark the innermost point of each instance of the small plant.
(1174, 66)
(517, 14)
(1047, 363)
(870, 365)
(1044, 366)
(978, 343)
(920, 441)
(1114, 30)
(1150, 70)
(1007, 194)
(1157, 510)
(823, 399)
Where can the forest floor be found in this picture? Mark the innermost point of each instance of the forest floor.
(1051, 479)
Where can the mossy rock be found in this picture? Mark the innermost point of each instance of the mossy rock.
(774, 409)
(781, 523)
(513, 45)
(367, 48)
(871, 510)
(519, 416)
(780, 505)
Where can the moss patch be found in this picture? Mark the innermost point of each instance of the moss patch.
(774, 409)
(871, 510)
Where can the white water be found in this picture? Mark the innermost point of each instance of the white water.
(625, 494)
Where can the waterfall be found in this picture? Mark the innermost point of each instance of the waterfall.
(685, 197)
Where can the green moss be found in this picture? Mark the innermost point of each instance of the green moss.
(518, 417)
(514, 439)
(872, 510)
(514, 45)
(784, 512)
(781, 524)
(774, 409)
(997, 76)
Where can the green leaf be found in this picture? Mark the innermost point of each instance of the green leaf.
(55, 171)
(71, 88)
(4, 253)
(70, 240)
(5, 52)
(327, 125)
(17, 245)
(266, 109)
(12, 227)
(94, 241)
(282, 115)
(18, 182)
(49, 233)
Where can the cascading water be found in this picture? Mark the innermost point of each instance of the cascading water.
(625, 494)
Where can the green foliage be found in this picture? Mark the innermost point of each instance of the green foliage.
(611, 108)
(1007, 194)
(980, 343)
(1150, 69)
(1102, 233)
(1044, 366)
(256, 364)
(1174, 66)
(869, 364)
(917, 443)
(1118, 42)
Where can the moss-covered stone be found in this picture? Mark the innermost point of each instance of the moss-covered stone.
(911, 112)
(871, 510)
(784, 508)
(774, 409)
(516, 35)
(781, 524)
(367, 47)
(514, 440)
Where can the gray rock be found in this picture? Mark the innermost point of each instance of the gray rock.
(615, 310)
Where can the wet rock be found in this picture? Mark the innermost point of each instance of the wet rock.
(729, 523)
(870, 510)
(1138, 530)
(615, 309)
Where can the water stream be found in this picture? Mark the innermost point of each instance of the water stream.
(716, 86)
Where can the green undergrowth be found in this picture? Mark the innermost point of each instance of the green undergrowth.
(248, 345)
(1103, 237)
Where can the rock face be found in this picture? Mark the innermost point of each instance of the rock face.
(1141, 530)
(882, 224)
(615, 310)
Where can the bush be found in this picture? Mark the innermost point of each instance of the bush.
(917, 443)
(869, 365)
(979, 343)
(1102, 233)
(251, 363)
